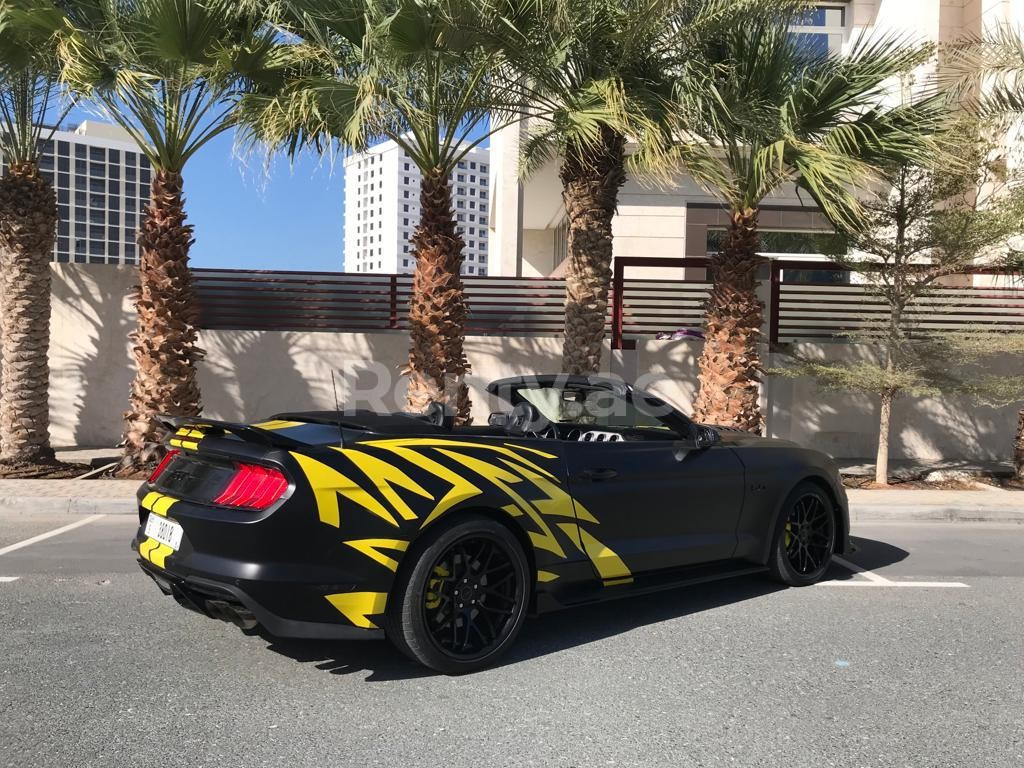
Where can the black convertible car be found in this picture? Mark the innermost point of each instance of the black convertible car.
(443, 539)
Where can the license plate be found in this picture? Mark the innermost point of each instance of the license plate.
(165, 531)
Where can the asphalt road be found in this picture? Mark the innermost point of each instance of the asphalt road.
(97, 668)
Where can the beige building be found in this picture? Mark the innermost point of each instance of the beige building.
(528, 218)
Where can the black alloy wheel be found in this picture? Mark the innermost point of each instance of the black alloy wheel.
(462, 600)
(471, 597)
(810, 534)
(805, 537)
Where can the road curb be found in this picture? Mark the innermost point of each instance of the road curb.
(70, 505)
(940, 513)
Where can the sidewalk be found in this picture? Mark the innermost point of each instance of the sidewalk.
(117, 497)
(993, 506)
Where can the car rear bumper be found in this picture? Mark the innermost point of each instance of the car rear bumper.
(283, 601)
(228, 602)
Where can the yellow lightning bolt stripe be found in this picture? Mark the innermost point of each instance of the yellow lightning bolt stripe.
(502, 478)
(509, 450)
(186, 444)
(277, 424)
(384, 476)
(557, 504)
(545, 576)
(370, 547)
(608, 564)
(537, 451)
(328, 482)
(461, 488)
(357, 606)
(158, 503)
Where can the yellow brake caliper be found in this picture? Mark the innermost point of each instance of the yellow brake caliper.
(434, 586)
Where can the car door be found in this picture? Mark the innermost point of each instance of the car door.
(658, 503)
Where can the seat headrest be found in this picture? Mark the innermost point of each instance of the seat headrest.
(525, 418)
(439, 415)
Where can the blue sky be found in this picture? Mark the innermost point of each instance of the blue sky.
(244, 217)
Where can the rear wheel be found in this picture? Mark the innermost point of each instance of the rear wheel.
(805, 537)
(461, 601)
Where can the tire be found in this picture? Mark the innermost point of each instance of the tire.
(804, 538)
(461, 595)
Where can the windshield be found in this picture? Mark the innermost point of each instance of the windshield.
(588, 407)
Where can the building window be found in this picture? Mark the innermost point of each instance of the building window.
(483, 168)
(821, 30)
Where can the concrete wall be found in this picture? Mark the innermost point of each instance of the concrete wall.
(248, 374)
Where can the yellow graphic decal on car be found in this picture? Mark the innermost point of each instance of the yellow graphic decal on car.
(187, 438)
(371, 548)
(384, 476)
(277, 424)
(531, 490)
(358, 606)
(328, 483)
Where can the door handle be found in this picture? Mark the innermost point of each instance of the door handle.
(597, 475)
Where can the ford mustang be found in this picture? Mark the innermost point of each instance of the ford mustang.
(444, 538)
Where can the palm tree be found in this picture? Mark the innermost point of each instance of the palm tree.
(29, 96)
(790, 117)
(418, 73)
(608, 73)
(996, 61)
(170, 73)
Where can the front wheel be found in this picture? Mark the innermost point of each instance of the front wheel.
(461, 601)
(805, 537)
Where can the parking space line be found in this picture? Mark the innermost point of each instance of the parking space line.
(49, 534)
(862, 571)
(7, 579)
(872, 579)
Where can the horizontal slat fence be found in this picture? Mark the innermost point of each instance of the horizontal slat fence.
(501, 306)
(819, 311)
(638, 307)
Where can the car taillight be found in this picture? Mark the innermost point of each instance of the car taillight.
(253, 487)
(167, 459)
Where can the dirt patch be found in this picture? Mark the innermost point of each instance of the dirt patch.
(1006, 483)
(56, 470)
(903, 484)
(864, 482)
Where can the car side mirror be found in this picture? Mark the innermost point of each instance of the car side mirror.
(706, 437)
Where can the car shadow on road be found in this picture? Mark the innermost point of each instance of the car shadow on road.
(574, 627)
(870, 555)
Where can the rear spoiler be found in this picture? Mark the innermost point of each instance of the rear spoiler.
(212, 428)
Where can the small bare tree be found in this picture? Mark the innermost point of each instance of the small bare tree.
(958, 215)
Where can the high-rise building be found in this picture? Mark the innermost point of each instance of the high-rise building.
(102, 185)
(382, 208)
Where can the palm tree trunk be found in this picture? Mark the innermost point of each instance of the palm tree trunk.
(729, 365)
(165, 344)
(591, 178)
(28, 221)
(1018, 448)
(437, 312)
